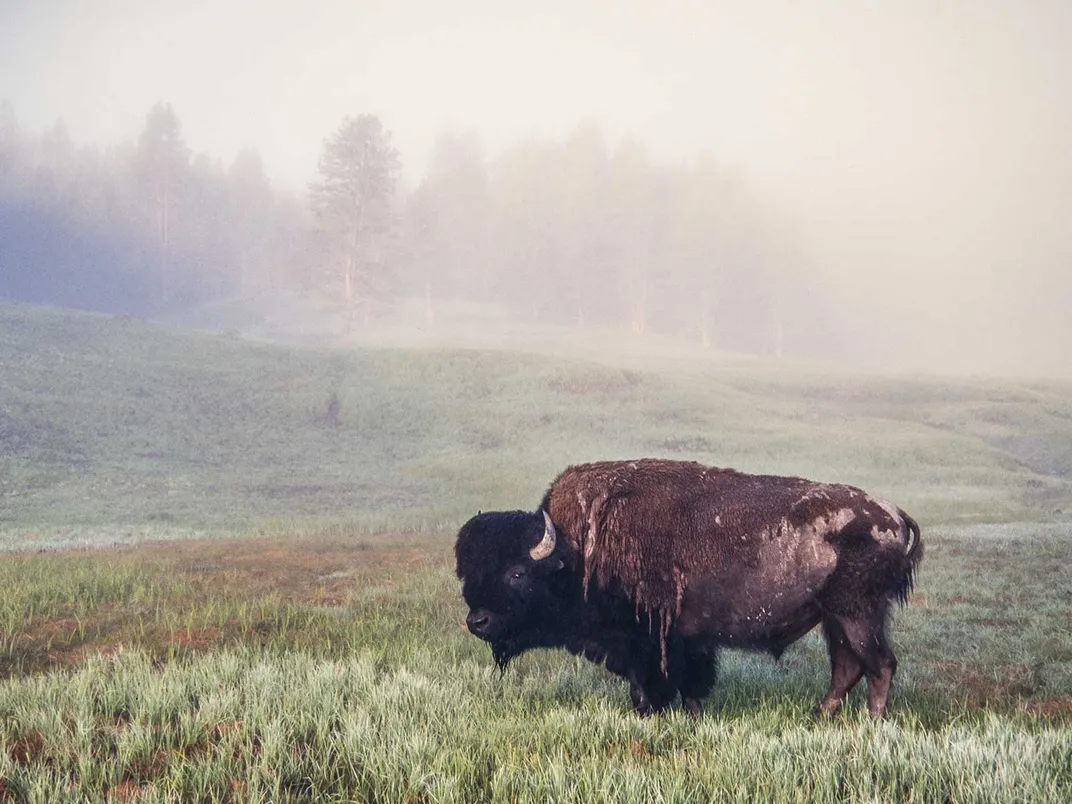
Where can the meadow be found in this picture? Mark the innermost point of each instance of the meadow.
(228, 574)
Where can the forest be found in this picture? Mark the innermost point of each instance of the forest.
(572, 231)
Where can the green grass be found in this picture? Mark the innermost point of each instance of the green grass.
(317, 652)
(114, 431)
(239, 725)
(218, 672)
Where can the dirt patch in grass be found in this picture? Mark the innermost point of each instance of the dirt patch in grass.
(996, 623)
(28, 748)
(1060, 708)
(596, 381)
(127, 791)
(186, 581)
(294, 570)
(198, 638)
(1001, 684)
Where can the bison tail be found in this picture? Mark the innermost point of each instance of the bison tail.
(913, 555)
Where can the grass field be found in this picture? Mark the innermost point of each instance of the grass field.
(246, 596)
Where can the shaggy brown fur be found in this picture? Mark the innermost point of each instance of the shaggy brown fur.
(646, 527)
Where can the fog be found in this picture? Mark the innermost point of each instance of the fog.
(917, 151)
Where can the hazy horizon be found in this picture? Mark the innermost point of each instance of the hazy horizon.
(918, 151)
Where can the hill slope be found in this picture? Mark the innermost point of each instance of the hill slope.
(116, 430)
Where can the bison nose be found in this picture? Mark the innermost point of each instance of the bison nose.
(478, 622)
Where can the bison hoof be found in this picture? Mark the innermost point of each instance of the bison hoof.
(826, 710)
(694, 706)
(645, 708)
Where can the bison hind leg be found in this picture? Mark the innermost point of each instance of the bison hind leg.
(858, 646)
(845, 668)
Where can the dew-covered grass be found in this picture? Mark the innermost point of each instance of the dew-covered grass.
(242, 725)
(338, 670)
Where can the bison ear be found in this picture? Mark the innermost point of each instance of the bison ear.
(547, 543)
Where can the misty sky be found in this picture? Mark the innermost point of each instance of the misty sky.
(920, 148)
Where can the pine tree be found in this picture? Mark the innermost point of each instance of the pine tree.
(351, 202)
(162, 164)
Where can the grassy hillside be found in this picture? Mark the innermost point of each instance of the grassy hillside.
(113, 429)
(323, 657)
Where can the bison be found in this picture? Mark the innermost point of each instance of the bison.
(651, 566)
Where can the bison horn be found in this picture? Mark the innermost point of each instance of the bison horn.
(547, 543)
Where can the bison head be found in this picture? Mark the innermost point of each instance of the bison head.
(511, 565)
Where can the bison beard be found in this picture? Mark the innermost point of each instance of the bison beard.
(652, 566)
(502, 653)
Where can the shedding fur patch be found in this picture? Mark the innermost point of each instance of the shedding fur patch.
(897, 533)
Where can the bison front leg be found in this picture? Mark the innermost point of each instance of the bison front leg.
(634, 665)
(651, 692)
(698, 675)
(642, 703)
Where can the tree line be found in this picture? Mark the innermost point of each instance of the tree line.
(565, 231)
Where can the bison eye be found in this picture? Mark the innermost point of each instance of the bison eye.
(517, 573)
